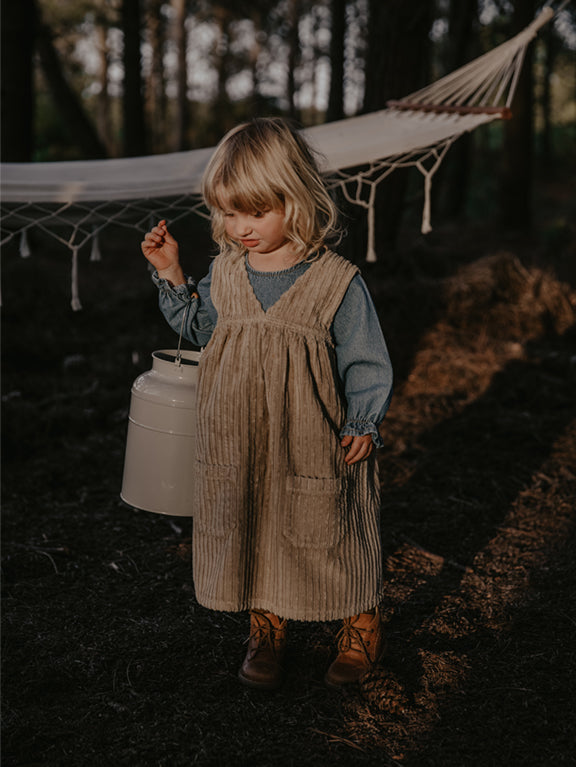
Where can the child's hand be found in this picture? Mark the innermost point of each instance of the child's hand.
(360, 448)
(161, 249)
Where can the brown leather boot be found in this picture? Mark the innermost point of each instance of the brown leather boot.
(360, 645)
(262, 665)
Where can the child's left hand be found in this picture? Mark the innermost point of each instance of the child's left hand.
(360, 448)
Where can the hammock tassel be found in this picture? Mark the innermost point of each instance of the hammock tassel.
(371, 250)
(428, 173)
(75, 301)
(426, 213)
(25, 251)
(95, 254)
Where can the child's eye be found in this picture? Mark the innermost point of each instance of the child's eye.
(259, 213)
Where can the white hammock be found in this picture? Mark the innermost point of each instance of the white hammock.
(74, 201)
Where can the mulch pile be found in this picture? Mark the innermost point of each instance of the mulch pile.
(108, 658)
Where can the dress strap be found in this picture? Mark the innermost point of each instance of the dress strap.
(316, 295)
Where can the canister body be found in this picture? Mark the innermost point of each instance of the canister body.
(160, 459)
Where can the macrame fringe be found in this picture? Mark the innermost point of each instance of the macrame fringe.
(426, 227)
(428, 173)
(95, 254)
(75, 301)
(371, 257)
(25, 251)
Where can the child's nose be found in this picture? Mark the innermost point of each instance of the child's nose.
(244, 225)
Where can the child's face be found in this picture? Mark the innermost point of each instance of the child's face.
(259, 232)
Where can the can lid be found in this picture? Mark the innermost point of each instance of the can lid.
(170, 356)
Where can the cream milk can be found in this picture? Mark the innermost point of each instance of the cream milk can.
(159, 465)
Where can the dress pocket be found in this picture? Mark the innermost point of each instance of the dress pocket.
(313, 516)
(217, 511)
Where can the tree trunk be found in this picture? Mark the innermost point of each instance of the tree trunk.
(396, 65)
(337, 60)
(294, 12)
(79, 126)
(223, 117)
(182, 104)
(456, 179)
(551, 48)
(17, 127)
(398, 49)
(104, 118)
(155, 91)
(133, 101)
(259, 105)
(516, 178)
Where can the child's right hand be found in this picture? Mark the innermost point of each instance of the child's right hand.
(161, 249)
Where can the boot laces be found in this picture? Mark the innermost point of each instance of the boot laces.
(264, 635)
(350, 638)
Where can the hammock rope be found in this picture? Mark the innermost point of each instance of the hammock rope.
(471, 84)
(74, 202)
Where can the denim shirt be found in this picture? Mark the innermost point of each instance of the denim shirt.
(361, 354)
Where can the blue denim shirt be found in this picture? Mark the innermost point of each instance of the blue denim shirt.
(361, 354)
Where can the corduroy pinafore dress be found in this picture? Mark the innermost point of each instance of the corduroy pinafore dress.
(281, 523)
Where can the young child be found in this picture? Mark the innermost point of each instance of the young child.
(293, 383)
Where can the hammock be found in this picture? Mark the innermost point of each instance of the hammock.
(74, 201)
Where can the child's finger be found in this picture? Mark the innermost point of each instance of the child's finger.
(152, 241)
(168, 237)
(157, 231)
(352, 455)
(360, 449)
(149, 243)
(161, 227)
(161, 231)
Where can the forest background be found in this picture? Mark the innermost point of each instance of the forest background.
(110, 78)
(107, 656)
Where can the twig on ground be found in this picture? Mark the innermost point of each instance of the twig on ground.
(337, 739)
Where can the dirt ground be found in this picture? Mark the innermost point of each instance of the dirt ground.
(108, 658)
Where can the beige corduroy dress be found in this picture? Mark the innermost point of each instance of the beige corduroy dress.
(281, 523)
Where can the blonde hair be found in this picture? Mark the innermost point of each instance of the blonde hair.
(266, 165)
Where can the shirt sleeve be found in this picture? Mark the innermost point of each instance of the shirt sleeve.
(199, 315)
(363, 362)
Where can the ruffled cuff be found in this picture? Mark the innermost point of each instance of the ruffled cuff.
(181, 291)
(359, 428)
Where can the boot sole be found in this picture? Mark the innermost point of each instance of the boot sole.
(340, 685)
(254, 685)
